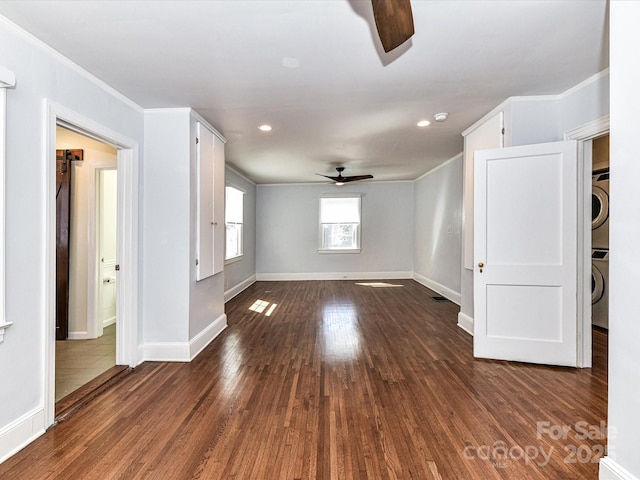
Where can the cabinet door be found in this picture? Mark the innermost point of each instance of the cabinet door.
(205, 190)
(219, 226)
(210, 203)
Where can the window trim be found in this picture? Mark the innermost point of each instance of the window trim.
(358, 249)
(235, 258)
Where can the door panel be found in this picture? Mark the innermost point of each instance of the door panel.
(525, 252)
(63, 212)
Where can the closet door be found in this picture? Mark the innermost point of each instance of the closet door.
(205, 186)
(210, 203)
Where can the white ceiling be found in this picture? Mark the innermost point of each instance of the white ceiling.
(347, 103)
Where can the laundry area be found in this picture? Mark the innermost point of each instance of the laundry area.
(600, 233)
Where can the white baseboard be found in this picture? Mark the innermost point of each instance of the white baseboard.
(438, 287)
(206, 336)
(108, 321)
(465, 322)
(183, 351)
(610, 470)
(79, 336)
(20, 433)
(233, 291)
(273, 277)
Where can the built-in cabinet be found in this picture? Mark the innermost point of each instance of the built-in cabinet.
(210, 225)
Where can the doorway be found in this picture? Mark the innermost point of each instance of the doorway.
(86, 303)
(126, 286)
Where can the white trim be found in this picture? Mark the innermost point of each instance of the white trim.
(79, 336)
(7, 78)
(276, 277)
(3, 138)
(239, 288)
(108, 322)
(183, 351)
(21, 432)
(237, 258)
(589, 130)
(3, 327)
(241, 175)
(583, 135)
(465, 322)
(206, 336)
(127, 243)
(69, 64)
(199, 118)
(438, 288)
(610, 470)
(584, 83)
(438, 167)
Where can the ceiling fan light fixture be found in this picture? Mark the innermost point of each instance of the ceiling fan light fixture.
(424, 123)
(440, 117)
(265, 128)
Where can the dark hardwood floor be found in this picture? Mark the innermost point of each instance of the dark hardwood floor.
(338, 381)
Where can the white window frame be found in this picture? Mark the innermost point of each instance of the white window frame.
(238, 257)
(321, 248)
(7, 80)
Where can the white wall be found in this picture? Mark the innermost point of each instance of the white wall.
(287, 232)
(241, 273)
(176, 308)
(84, 185)
(438, 228)
(624, 266)
(41, 74)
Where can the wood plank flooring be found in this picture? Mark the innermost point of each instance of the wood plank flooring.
(338, 381)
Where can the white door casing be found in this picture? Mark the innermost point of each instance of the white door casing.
(525, 253)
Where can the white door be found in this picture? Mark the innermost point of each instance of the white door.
(525, 253)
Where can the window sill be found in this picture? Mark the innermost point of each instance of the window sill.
(231, 260)
(341, 250)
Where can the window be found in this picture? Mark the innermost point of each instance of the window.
(340, 224)
(233, 220)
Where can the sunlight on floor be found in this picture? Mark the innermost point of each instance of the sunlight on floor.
(378, 284)
(259, 306)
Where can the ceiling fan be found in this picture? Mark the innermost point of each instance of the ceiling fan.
(394, 22)
(340, 180)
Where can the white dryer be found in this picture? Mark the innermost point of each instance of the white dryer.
(600, 287)
(600, 209)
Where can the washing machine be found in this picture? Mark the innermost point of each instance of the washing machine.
(600, 209)
(600, 287)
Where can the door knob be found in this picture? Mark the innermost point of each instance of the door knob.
(480, 265)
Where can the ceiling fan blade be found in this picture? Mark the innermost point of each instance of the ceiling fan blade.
(394, 22)
(335, 179)
(355, 178)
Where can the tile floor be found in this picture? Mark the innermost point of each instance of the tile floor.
(79, 361)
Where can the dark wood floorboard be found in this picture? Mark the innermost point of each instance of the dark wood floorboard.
(340, 381)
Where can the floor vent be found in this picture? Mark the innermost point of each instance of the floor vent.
(440, 299)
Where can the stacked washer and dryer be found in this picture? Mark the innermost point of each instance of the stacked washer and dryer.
(600, 233)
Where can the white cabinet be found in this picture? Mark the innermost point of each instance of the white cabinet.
(210, 225)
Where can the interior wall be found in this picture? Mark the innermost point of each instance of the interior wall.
(242, 272)
(624, 264)
(84, 185)
(438, 228)
(287, 232)
(40, 74)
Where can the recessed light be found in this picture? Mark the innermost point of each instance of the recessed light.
(265, 128)
(424, 123)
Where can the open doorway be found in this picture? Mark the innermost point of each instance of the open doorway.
(86, 239)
